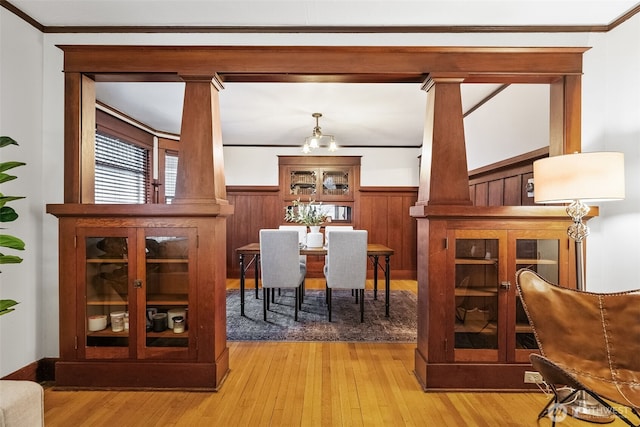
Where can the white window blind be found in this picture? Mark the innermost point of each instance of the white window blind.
(170, 172)
(122, 170)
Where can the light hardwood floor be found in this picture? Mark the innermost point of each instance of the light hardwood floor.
(304, 384)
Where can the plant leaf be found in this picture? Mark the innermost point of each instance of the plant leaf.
(5, 166)
(6, 304)
(6, 199)
(6, 140)
(5, 177)
(10, 259)
(11, 242)
(7, 214)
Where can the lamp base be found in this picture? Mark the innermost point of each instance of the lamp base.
(586, 408)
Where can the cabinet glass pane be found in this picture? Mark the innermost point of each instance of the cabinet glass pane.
(335, 183)
(303, 183)
(541, 256)
(167, 291)
(476, 294)
(107, 293)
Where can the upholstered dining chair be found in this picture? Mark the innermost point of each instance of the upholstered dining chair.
(589, 342)
(280, 265)
(346, 264)
(330, 228)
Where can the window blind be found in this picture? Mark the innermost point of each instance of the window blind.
(122, 171)
(170, 173)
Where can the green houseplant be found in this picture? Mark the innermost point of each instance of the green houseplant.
(8, 214)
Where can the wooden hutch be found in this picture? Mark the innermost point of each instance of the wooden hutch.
(472, 330)
(144, 260)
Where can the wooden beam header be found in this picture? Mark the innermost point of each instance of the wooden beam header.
(323, 63)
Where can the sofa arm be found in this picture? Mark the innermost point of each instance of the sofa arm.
(21, 404)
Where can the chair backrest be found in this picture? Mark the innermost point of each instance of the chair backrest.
(279, 258)
(330, 228)
(596, 336)
(301, 229)
(346, 260)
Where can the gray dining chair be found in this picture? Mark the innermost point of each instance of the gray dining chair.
(346, 264)
(280, 265)
(329, 228)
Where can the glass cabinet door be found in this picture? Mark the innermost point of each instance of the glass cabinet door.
(107, 276)
(169, 269)
(477, 279)
(541, 255)
(302, 183)
(335, 183)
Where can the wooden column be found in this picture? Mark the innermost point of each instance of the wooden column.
(444, 178)
(565, 116)
(200, 176)
(79, 138)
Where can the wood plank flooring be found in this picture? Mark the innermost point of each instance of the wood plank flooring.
(304, 384)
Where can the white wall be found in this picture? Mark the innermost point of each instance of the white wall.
(32, 111)
(379, 167)
(514, 122)
(611, 122)
(21, 332)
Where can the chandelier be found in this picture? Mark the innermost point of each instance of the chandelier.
(318, 139)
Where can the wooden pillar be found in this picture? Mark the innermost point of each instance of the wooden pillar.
(79, 138)
(565, 116)
(200, 176)
(444, 177)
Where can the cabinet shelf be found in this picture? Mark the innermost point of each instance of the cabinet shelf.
(476, 292)
(476, 261)
(107, 260)
(105, 300)
(107, 333)
(523, 328)
(534, 261)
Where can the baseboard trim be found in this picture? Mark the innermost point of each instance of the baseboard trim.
(39, 371)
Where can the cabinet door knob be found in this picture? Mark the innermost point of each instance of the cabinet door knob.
(137, 283)
(505, 285)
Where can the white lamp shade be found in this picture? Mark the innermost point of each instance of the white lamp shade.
(589, 177)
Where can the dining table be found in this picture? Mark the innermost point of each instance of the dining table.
(250, 255)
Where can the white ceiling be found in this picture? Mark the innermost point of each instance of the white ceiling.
(322, 12)
(280, 113)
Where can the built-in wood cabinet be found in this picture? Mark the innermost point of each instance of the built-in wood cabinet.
(477, 335)
(140, 307)
(320, 178)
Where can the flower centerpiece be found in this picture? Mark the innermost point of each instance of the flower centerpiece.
(310, 213)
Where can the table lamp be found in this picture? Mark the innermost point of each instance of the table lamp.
(576, 179)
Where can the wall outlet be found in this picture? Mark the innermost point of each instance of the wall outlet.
(533, 377)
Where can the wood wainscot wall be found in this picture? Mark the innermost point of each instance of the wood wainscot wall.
(382, 213)
(505, 183)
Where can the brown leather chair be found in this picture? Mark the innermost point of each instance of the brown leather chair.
(588, 341)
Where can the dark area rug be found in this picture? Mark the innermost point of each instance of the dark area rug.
(313, 321)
